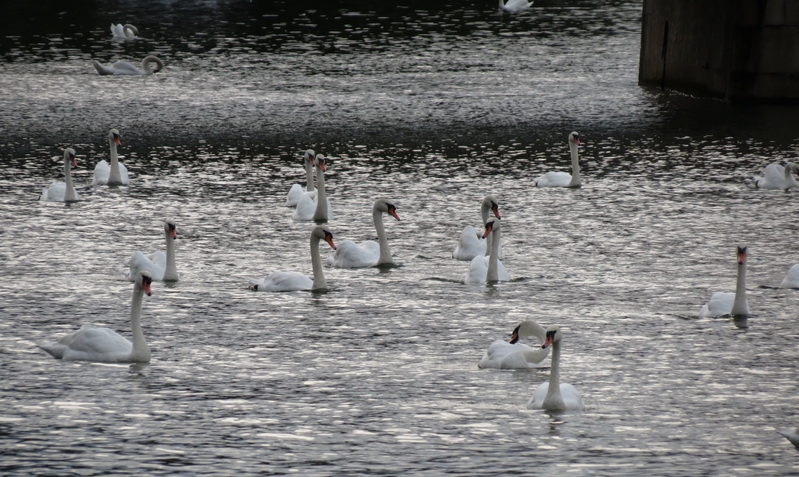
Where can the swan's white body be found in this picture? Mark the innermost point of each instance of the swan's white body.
(790, 433)
(369, 253)
(63, 191)
(296, 191)
(160, 266)
(104, 345)
(149, 65)
(554, 395)
(776, 176)
(562, 179)
(791, 279)
(123, 32)
(316, 206)
(729, 303)
(294, 281)
(471, 243)
(513, 355)
(114, 173)
(514, 6)
(488, 269)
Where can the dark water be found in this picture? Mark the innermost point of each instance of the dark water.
(433, 105)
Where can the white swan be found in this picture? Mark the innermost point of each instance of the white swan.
(555, 395)
(488, 269)
(502, 354)
(514, 6)
(123, 32)
(369, 253)
(149, 65)
(791, 279)
(91, 343)
(160, 266)
(63, 191)
(115, 173)
(471, 243)
(728, 303)
(563, 179)
(315, 207)
(790, 433)
(293, 281)
(776, 176)
(296, 191)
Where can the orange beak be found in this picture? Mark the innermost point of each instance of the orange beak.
(495, 209)
(329, 240)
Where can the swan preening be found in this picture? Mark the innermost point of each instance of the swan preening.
(471, 243)
(555, 395)
(63, 191)
(296, 191)
(369, 253)
(777, 176)
(114, 173)
(315, 207)
(104, 345)
(488, 269)
(149, 65)
(123, 32)
(160, 266)
(563, 179)
(502, 354)
(294, 281)
(514, 6)
(728, 303)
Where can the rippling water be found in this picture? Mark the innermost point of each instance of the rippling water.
(434, 107)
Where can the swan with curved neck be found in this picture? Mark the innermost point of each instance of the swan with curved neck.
(728, 303)
(149, 65)
(161, 266)
(368, 254)
(555, 395)
(488, 269)
(315, 207)
(296, 191)
(776, 176)
(63, 191)
(514, 6)
(471, 243)
(502, 354)
(294, 281)
(114, 173)
(123, 32)
(104, 345)
(563, 179)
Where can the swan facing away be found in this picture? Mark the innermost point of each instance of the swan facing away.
(296, 191)
(514, 6)
(369, 253)
(776, 176)
(315, 207)
(160, 266)
(471, 243)
(149, 65)
(555, 395)
(563, 179)
(114, 173)
(502, 354)
(488, 269)
(791, 279)
(294, 281)
(729, 303)
(63, 191)
(103, 345)
(123, 32)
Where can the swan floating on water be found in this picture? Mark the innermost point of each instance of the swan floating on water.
(777, 176)
(563, 179)
(296, 191)
(149, 65)
(369, 253)
(114, 173)
(488, 269)
(514, 6)
(63, 191)
(502, 354)
(471, 243)
(160, 266)
(91, 343)
(294, 281)
(123, 32)
(311, 206)
(555, 395)
(729, 303)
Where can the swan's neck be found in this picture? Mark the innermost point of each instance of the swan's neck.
(114, 177)
(319, 282)
(535, 355)
(554, 400)
(382, 239)
(739, 306)
(140, 352)
(493, 258)
(501, 3)
(575, 182)
(309, 185)
(69, 195)
(320, 215)
(171, 272)
(484, 215)
(147, 61)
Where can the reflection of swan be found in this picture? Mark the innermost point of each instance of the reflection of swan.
(728, 303)
(309, 206)
(488, 269)
(513, 355)
(514, 6)
(471, 243)
(63, 191)
(123, 32)
(791, 279)
(149, 65)
(114, 173)
(790, 433)
(369, 253)
(161, 266)
(293, 281)
(296, 190)
(555, 395)
(776, 176)
(563, 179)
(103, 345)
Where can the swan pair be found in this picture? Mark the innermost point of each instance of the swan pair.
(160, 266)
(63, 191)
(149, 65)
(514, 6)
(122, 32)
(488, 269)
(729, 303)
(296, 192)
(777, 176)
(104, 345)
(471, 243)
(114, 173)
(294, 281)
(315, 206)
(563, 179)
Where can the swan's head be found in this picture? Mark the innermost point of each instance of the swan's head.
(323, 233)
(574, 138)
(553, 336)
(309, 156)
(492, 204)
(143, 281)
(383, 205)
(130, 30)
(113, 136)
(523, 330)
(321, 162)
(741, 255)
(69, 155)
(491, 226)
(793, 167)
(170, 229)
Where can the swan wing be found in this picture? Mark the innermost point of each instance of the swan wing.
(469, 245)
(91, 343)
(478, 270)
(773, 177)
(571, 399)
(102, 171)
(720, 304)
(55, 192)
(306, 206)
(348, 254)
(282, 281)
(554, 179)
(155, 264)
(503, 355)
(294, 195)
(792, 434)
(125, 68)
(791, 279)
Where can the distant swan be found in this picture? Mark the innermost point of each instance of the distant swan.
(563, 179)
(514, 6)
(63, 191)
(554, 395)
(369, 253)
(776, 176)
(104, 345)
(294, 281)
(114, 173)
(161, 266)
(488, 269)
(149, 65)
(296, 191)
(123, 32)
(315, 207)
(514, 355)
(728, 303)
(471, 243)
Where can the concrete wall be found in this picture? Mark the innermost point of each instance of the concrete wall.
(738, 49)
